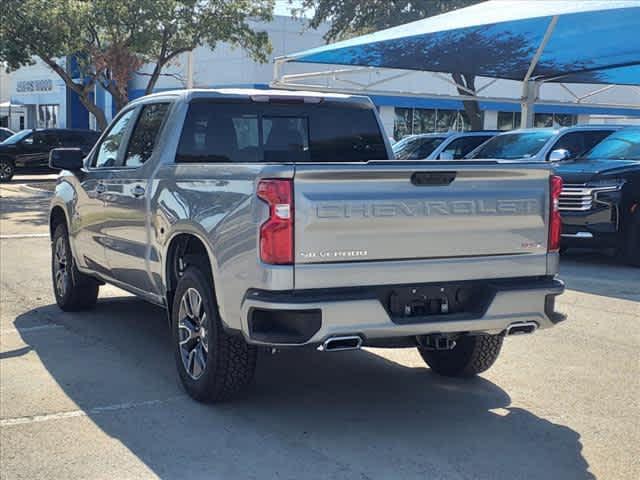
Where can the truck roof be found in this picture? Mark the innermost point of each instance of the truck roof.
(573, 128)
(256, 94)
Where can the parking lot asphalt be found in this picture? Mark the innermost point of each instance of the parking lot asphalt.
(95, 394)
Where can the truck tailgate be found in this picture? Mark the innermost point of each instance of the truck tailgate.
(394, 211)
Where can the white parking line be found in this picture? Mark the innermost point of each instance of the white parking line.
(23, 235)
(29, 329)
(9, 422)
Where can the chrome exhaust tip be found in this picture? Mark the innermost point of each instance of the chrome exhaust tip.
(338, 344)
(521, 328)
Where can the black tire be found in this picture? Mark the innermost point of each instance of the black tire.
(229, 361)
(7, 170)
(471, 356)
(73, 290)
(632, 241)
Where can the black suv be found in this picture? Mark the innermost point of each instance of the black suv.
(30, 148)
(600, 200)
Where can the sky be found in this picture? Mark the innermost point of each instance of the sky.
(283, 7)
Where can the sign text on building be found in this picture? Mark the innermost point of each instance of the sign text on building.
(45, 85)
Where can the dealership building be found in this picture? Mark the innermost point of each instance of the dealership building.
(35, 97)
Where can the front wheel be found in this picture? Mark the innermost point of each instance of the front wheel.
(470, 356)
(73, 290)
(7, 169)
(212, 364)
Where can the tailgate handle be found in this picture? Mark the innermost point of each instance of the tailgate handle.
(430, 179)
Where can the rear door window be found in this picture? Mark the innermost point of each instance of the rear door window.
(242, 132)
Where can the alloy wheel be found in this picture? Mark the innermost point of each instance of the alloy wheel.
(61, 266)
(193, 325)
(6, 171)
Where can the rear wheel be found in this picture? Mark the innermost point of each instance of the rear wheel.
(7, 169)
(213, 365)
(73, 290)
(470, 356)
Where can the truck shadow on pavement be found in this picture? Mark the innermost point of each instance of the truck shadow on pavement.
(309, 415)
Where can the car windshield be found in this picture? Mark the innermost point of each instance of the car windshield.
(17, 137)
(514, 145)
(416, 148)
(622, 145)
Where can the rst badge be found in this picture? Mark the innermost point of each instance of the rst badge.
(334, 254)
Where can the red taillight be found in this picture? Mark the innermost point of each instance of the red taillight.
(555, 222)
(276, 234)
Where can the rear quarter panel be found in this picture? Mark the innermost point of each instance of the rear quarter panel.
(217, 204)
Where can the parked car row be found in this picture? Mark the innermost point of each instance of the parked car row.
(29, 149)
(599, 165)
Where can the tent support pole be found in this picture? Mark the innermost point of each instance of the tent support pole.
(531, 88)
(530, 92)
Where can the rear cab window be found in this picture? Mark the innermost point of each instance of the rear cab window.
(248, 132)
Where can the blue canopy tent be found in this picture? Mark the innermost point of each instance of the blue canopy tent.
(532, 41)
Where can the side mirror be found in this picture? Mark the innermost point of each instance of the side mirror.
(559, 155)
(446, 155)
(66, 159)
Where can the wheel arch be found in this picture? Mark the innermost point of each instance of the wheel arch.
(57, 216)
(183, 249)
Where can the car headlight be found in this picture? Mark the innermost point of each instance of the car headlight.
(607, 184)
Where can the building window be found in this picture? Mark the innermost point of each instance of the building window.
(511, 120)
(411, 121)
(21, 122)
(508, 120)
(403, 123)
(48, 116)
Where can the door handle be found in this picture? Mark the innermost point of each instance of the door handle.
(138, 191)
(101, 188)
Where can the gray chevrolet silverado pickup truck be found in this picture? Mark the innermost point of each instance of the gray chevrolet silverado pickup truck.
(280, 219)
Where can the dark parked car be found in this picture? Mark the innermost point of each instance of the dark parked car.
(30, 148)
(5, 133)
(600, 200)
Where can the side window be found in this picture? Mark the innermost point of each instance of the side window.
(572, 141)
(28, 140)
(145, 134)
(425, 149)
(593, 138)
(71, 140)
(460, 147)
(579, 143)
(39, 140)
(107, 154)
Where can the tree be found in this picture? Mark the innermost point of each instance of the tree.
(350, 18)
(109, 41)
